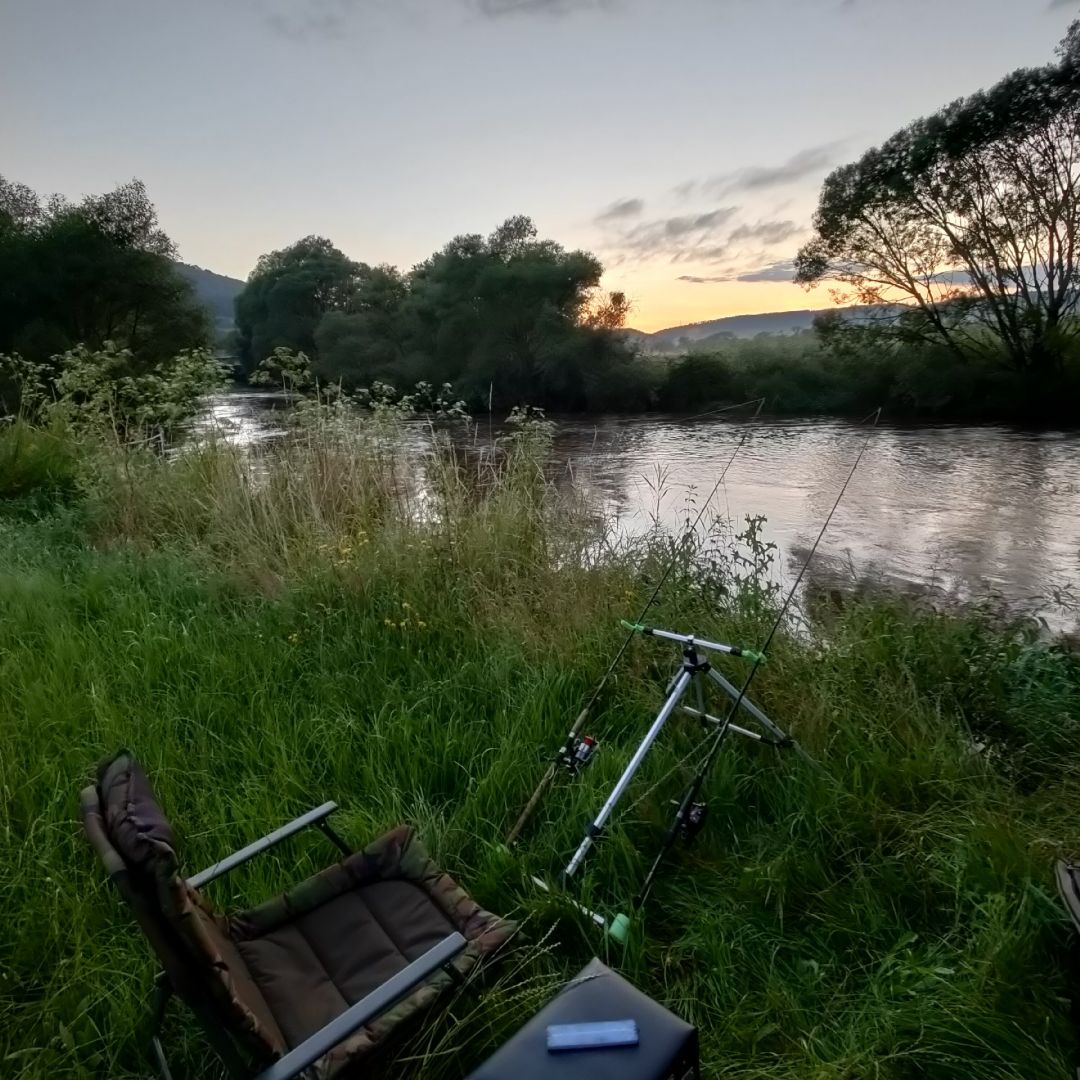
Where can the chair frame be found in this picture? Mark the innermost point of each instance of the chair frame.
(300, 1057)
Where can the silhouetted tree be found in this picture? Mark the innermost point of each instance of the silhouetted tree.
(91, 272)
(289, 292)
(970, 218)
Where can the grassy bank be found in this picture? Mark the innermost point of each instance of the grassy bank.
(316, 627)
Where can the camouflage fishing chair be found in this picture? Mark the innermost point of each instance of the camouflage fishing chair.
(307, 983)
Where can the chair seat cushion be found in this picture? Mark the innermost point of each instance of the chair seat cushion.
(312, 968)
(323, 945)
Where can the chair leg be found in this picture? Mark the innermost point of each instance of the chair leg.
(162, 993)
(455, 976)
(327, 830)
(226, 1050)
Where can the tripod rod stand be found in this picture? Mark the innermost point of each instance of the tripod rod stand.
(694, 669)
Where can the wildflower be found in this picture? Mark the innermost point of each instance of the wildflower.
(421, 625)
(294, 638)
(388, 622)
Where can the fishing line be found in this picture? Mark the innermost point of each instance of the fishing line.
(575, 730)
(718, 738)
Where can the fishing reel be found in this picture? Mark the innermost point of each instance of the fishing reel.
(577, 753)
(693, 821)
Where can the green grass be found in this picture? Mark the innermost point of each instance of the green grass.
(268, 638)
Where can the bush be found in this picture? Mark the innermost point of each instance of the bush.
(35, 461)
(107, 391)
(803, 375)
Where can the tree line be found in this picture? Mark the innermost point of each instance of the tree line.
(507, 319)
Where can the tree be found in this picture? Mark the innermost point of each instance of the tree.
(513, 319)
(364, 345)
(89, 273)
(964, 225)
(508, 317)
(289, 292)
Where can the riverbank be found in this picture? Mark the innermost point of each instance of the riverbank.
(953, 513)
(319, 628)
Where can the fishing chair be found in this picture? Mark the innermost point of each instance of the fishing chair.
(310, 982)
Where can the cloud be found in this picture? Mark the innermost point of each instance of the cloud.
(689, 223)
(301, 20)
(708, 254)
(312, 18)
(1057, 5)
(813, 159)
(766, 232)
(778, 271)
(681, 238)
(621, 208)
(497, 9)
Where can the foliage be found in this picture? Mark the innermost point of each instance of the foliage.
(851, 374)
(365, 344)
(285, 368)
(514, 319)
(87, 273)
(36, 461)
(969, 218)
(289, 292)
(104, 391)
(413, 644)
(507, 319)
(292, 372)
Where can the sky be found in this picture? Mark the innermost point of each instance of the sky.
(682, 141)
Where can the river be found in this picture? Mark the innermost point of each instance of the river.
(961, 511)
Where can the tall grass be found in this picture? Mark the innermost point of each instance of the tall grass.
(322, 623)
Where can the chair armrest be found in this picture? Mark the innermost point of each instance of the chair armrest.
(367, 1008)
(237, 858)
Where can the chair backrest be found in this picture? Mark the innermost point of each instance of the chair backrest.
(137, 845)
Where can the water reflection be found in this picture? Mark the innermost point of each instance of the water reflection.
(965, 510)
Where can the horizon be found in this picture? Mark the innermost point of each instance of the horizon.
(391, 128)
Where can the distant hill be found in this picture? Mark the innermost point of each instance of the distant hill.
(215, 292)
(715, 331)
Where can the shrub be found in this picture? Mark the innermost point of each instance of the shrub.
(36, 461)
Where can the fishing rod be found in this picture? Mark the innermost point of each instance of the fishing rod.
(689, 807)
(576, 752)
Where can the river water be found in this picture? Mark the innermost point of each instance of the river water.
(962, 511)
